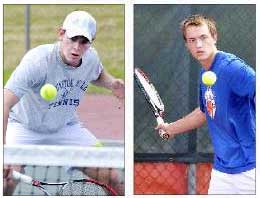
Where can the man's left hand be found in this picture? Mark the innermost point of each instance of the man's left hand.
(118, 88)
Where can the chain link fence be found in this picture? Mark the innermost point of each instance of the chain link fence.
(181, 165)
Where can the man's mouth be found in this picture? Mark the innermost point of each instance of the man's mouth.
(200, 52)
(74, 55)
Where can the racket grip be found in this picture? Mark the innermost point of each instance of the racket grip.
(24, 178)
(164, 135)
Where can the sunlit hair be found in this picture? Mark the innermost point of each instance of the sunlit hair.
(198, 20)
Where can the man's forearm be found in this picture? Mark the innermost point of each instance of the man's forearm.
(105, 80)
(193, 120)
(10, 100)
(6, 115)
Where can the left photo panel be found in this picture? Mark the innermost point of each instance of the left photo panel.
(63, 100)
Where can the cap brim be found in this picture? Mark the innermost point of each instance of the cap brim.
(77, 32)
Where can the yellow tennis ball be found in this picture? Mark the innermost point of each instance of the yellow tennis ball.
(48, 92)
(209, 78)
(99, 144)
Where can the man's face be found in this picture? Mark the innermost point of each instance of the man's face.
(72, 49)
(201, 43)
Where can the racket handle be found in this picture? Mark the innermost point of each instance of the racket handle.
(24, 178)
(164, 135)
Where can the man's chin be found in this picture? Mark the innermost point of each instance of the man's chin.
(202, 58)
(74, 62)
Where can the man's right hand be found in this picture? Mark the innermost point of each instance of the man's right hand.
(9, 183)
(164, 127)
(7, 172)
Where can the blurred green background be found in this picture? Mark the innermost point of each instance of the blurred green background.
(44, 23)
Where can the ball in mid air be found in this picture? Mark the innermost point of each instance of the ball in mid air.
(99, 144)
(48, 92)
(209, 78)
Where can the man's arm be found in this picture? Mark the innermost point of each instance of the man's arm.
(107, 81)
(191, 121)
(9, 101)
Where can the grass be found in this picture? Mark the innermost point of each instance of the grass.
(44, 22)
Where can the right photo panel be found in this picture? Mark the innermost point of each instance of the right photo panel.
(194, 99)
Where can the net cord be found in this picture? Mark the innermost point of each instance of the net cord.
(106, 157)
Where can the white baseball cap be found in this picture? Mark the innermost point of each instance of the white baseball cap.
(80, 23)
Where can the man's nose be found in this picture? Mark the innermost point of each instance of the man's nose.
(76, 45)
(198, 43)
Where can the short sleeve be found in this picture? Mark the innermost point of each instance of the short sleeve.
(99, 69)
(29, 74)
(92, 60)
(242, 79)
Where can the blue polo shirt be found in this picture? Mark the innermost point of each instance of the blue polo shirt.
(229, 106)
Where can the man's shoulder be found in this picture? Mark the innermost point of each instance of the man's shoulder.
(91, 53)
(232, 64)
(226, 56)
(39, 52)
(230, 59)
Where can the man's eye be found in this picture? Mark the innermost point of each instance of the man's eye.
(85, 41)
(74, 39)
(203, 37)
(80, 40)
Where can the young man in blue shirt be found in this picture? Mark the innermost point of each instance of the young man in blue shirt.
(228, 106)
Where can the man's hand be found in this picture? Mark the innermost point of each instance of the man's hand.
(7, 172)
(164, 127)
(118, 88)
(8, 182)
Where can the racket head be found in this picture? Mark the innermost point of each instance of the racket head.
(86, 187)
(151, 94)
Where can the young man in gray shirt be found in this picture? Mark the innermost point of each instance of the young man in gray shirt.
(70, 65)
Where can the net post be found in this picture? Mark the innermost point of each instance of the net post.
(192, 179)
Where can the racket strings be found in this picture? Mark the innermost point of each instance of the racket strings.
(149, 90)
(53, 173)
(82, 188)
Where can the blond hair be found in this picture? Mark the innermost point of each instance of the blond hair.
(198, 20)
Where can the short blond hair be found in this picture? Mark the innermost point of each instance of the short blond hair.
(198, 20)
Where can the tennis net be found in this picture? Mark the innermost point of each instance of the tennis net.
(57, 164)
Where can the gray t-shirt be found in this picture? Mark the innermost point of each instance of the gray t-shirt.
(42, 65)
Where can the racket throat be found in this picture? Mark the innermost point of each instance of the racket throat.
(159, 119)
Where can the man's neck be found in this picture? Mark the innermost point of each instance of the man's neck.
(207, 63)
(65, 62)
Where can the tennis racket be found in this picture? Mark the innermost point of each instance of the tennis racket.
(152, 97)
(71, 188)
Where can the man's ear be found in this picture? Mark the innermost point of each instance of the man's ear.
(215, 37)
(60, 33)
